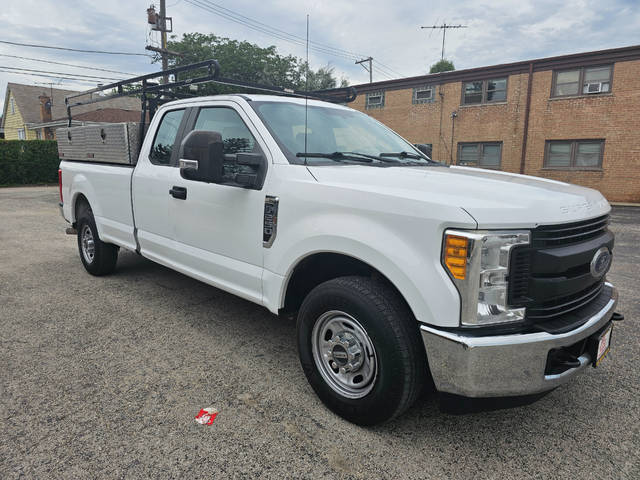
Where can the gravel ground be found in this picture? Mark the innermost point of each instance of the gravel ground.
(102, 377)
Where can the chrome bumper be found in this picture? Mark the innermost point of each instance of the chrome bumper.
(505, 365)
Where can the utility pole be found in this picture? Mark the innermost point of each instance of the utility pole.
(370, 69)
(163, 38)
(159, 23)
(444, 27)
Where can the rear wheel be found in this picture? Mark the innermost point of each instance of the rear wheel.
(360, 349)
(98, 257)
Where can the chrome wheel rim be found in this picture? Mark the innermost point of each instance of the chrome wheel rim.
(87, 244)
(344, 354)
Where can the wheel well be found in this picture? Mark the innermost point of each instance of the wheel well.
(80, 203)
(320, 267)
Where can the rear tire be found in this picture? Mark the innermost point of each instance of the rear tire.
(361, 350)
(98, 258)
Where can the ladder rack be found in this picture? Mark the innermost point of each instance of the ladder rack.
(152, 93)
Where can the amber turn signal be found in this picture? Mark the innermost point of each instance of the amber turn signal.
(455, 255)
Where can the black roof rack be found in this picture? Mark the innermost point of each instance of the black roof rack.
(153, 94)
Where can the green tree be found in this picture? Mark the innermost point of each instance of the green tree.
(241, 60)
(443, 65)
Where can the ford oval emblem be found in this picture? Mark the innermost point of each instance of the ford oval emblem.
(600, 262)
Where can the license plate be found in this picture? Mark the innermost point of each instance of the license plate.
(604, 345)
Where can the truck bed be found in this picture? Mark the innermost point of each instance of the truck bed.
(109, 187)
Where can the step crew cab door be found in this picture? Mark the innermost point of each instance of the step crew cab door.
(218, 228)
(150, 186)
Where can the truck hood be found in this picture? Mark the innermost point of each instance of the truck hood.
(493, 199)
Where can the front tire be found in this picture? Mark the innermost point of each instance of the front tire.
(360, 348)
(99, 258)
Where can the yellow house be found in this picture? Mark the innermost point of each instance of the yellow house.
(33, 112)
(12, 122)
(23, 108)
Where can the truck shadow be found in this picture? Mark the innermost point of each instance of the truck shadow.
(244, 323)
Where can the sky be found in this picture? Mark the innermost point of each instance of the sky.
(498, 31)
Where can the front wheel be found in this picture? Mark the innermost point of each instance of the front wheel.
(360, 349)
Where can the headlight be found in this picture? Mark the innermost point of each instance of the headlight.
(478, 263)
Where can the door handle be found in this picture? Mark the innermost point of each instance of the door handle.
(178, 192)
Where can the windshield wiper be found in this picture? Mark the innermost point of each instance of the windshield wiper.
(338, 156)
(403, 155)
(414, 156)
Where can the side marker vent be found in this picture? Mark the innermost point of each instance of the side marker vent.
(270, 224)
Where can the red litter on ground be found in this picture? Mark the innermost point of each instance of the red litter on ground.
(206, 416)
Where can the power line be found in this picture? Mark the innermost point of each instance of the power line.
(270, 27)
(72, 49)
(80, 80)
(384, 71)
(206, 6)
(59, 73)
(87, 67)
(256, 25)
(389, 69)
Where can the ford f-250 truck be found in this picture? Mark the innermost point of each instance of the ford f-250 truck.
(400, 270)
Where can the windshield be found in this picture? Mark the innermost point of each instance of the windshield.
(331, 131)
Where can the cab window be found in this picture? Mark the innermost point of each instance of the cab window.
(163, 144)
(236, 137)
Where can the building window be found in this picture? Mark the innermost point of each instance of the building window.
(586, 81)
(424, 94)
(484, 154)
(38, 134)
(12, 103)
(21, 134)
(375, 100)
(484, 91)
(574, 154)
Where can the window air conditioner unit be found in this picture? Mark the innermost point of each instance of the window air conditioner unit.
(426, 94)
(594, 88)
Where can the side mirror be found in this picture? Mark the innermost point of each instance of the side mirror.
(424, 148)
(250, 170)
(202, 157)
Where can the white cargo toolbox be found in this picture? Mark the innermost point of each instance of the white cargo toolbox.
(105, 143)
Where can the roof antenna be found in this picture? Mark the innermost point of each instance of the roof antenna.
(306, 95)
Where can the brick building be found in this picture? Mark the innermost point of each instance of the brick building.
(574, 118)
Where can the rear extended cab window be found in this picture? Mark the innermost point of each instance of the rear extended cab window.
(164, 142)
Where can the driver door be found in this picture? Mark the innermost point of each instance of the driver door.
(218, 228)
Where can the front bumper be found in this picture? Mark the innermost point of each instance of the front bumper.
(505, 365)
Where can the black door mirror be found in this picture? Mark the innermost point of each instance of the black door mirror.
(424, 148)
(250, 170)
(202, 157)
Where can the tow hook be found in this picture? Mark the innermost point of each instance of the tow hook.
(70, 231)
(617, 317)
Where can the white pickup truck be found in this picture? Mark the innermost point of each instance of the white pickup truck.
(400, 270)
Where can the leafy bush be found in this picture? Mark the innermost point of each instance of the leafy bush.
(443, 65)
(27, 162)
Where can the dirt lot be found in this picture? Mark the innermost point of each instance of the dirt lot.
(102, 377)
